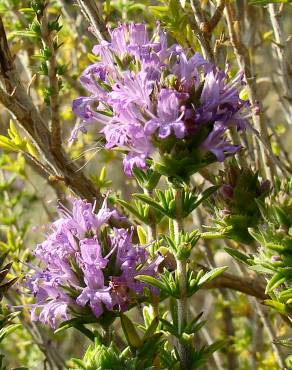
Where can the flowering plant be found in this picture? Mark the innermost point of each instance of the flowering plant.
(134, 267)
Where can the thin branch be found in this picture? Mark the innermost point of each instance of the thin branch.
(212, 23)
(243, 60)
(276, 160)
(271, 334)
(49, 42)
(282, 54)
(203, 39)
(229, 329)
(19, 103)
(199, 16)
(92, 14)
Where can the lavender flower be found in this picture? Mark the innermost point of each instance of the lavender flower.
(80, 268)
(144, 93)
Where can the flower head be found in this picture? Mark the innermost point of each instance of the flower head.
(81, 268)
(149, 98)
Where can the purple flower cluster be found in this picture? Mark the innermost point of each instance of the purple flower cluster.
(84, 263)
(144, 92)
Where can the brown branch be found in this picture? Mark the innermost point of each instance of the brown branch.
(212, 23)
(19, 103)
(246, 285)
(207, 26)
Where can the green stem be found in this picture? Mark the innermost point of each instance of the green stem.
(181, 274)
(151, 228)
(151, 236)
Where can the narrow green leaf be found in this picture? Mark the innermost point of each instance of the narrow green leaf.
(238, 255)
(261, 269)
(280, 307)
(284, 342)
(4, 332)
(132, 210)
(275, 281)
(257, 236)
(211, 275)
(130, 332)
(206, 194)
(215, 346)
(151, 328)
(141, 235)
(276, 247)
(148, 200)
(286, 294)
(151, 281)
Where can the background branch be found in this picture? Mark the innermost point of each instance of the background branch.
(91, 12)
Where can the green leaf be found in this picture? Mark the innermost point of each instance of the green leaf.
(77, 323)
(205, 195)
(266, 2)
(261, 269)
(285, 294)
(151, 281)
(281, 216)
(151, 328)
(280, 307)
(238, 255)
(284, 342)
(148, 200)
(171, 328)
(276, 247)
(257, 236)
(132, 210)
(275, 281)
(6, 144)
(211, 275)
(4, 332)
(216, 346)
(130, 332)
(141, 235)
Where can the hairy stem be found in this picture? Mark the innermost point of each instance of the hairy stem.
(181, 274)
